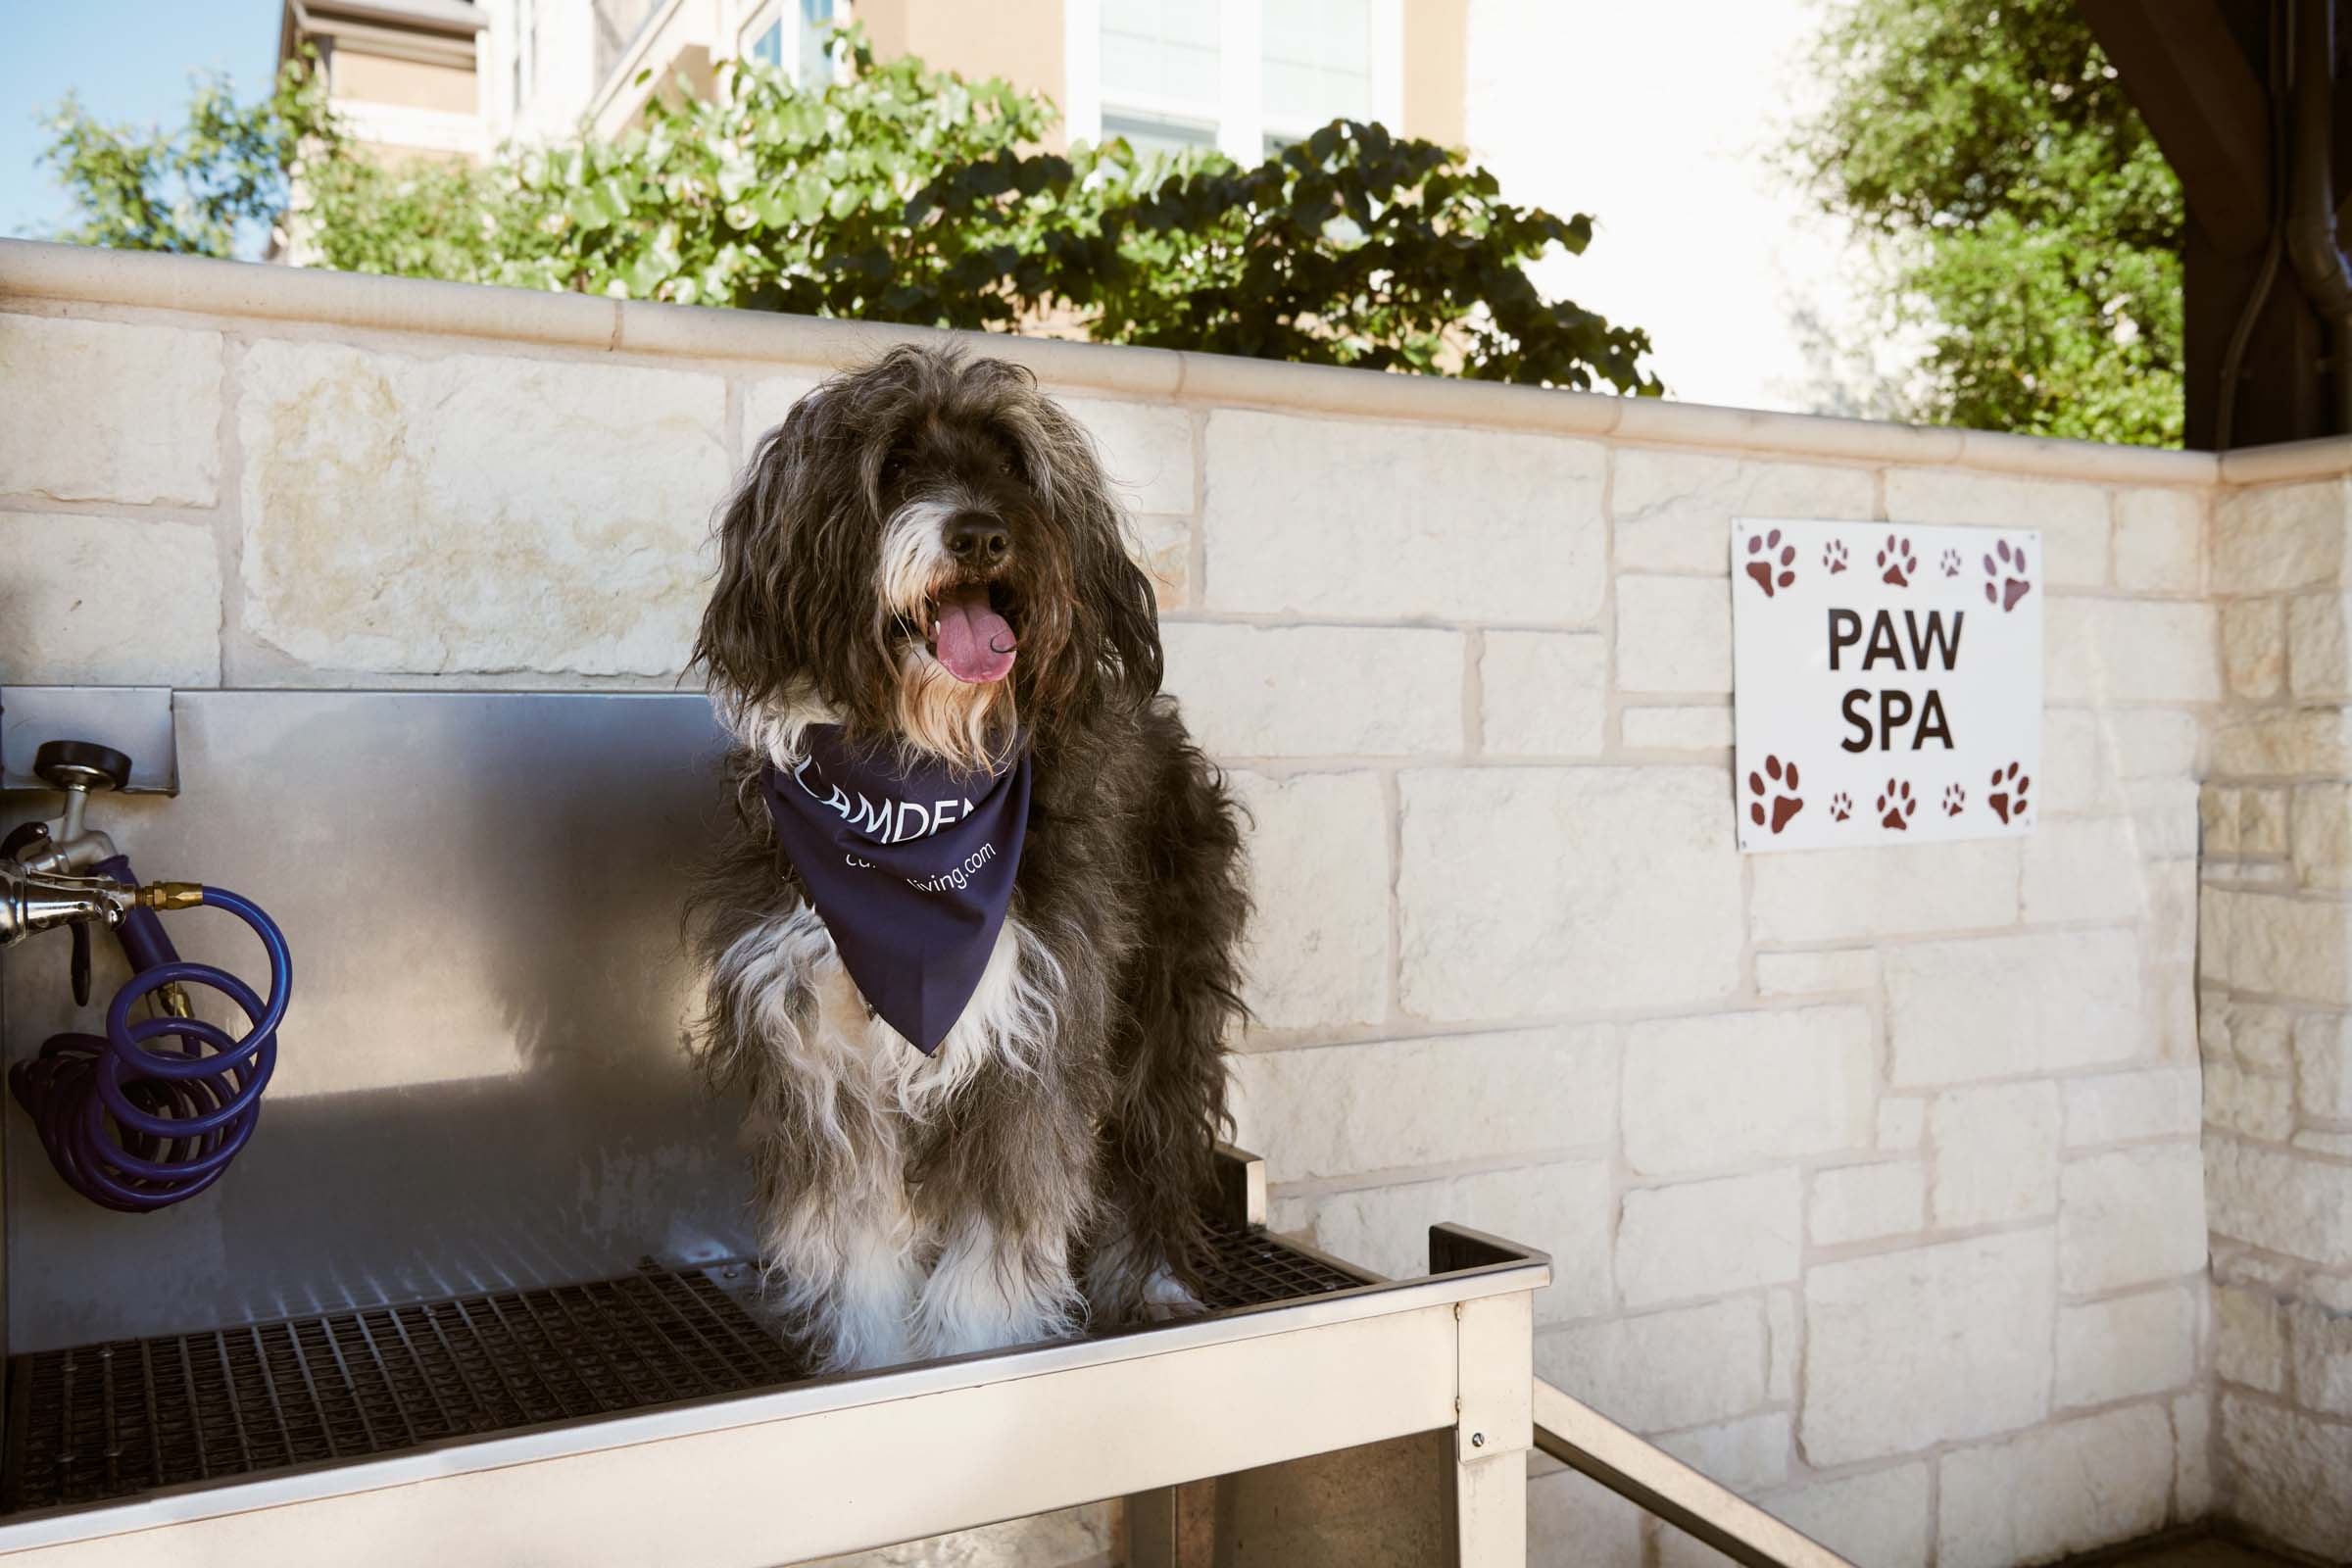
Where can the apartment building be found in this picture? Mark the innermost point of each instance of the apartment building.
(445, 77)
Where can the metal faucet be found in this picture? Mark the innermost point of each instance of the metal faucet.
(33, 901)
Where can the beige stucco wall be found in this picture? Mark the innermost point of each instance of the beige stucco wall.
(1877, 1180)
(409, 83)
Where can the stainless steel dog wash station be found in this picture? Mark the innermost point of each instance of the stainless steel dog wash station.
(453, 1265)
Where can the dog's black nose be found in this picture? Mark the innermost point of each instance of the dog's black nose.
(977, 541)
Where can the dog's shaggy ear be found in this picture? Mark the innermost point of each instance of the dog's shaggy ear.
(792, 607)
(1114, 647)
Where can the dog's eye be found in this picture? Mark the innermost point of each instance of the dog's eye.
(892, 467)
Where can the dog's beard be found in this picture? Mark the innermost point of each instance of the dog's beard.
(969, 723)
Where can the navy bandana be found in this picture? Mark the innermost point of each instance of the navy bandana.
(910, 865)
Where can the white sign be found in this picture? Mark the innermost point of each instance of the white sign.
(1887, 683)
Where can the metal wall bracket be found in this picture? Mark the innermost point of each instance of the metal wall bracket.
(136, 720)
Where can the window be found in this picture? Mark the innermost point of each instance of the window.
(811, 63)
(1249, 76)
(526, 52)
(1318, 66)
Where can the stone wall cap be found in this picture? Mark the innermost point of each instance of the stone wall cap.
(2328, 458)
(32, 269)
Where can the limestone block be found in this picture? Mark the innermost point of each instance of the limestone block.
(1528, 890)
(2279, 536)
(2073, 518)
(2192, 1455)
(2287, 1202)
(2249, 1338)
(1708, 1237)
(1318, 937)
(2254, 646)
(1780, 1328)
(1688, 728)
(2078, 775)
(2256, 1104)
(1164, 547)
(1861, 895)
(1544, 694)
(2083, 869)
(2129, 1217)
(2300, 742)
(768, 400)
(2152, 742)
(1674, 634)
(2256, 1035)
(1428, 514)
(2261, 821)
(1715, 1090)
(1902, 1122)
(1662, 1370)
(2001, 1007)
(1996, 1153)
(2324, 1066)
(1146, 450)
(106, 600)
(1946, 1324)
(2288, 1471)
(1344, 1110)
(2131, 651)
(1747, 1455)
(2160, 540)
(2316, 658)
(2116, 1106)
(2218, 813)
(1674, 509)
(2127, 1344)
(1562, 1208)
(477, 512)
(1879, 1518)
(2322, 1341)
(2281, 945)
(2321, 835)
(1574, 1522)
(1317, 691)
(108, 410)
(1867, 1203)
(1791, 974)
(2047, 1494)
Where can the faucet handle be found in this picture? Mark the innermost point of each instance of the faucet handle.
(81, 765)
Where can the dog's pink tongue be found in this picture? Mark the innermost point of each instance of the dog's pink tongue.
(974, 642)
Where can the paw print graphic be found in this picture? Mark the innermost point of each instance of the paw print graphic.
(1896, 805)
(1832, 557)
(1774, 789)
(1770, 563)
(1841, 806)
(2008, 797)
(1950, 563)
(1897, 562)
(2005, 577)
(1955, 799)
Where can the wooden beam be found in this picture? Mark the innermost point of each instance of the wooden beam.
(2203, 101)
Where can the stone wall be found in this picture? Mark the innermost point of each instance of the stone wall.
(1873, 1177)
(2278, 1040)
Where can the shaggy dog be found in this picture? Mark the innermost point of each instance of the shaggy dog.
(1046, 1166)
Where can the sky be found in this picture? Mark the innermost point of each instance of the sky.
(129, 60)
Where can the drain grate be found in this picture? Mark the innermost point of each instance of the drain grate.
(107, 1421)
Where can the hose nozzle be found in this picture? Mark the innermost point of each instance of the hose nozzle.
(172, 894)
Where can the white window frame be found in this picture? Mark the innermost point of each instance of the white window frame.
(1242, 125)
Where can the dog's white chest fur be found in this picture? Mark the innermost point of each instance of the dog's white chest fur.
(874, 1088)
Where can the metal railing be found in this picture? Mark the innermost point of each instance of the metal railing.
(1647, 1476)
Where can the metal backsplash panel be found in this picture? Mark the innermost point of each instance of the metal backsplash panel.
(480, 1081)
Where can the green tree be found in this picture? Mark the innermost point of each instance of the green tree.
(2024, 220)
(898, 193)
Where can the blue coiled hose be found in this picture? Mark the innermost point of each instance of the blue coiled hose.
(134, 1124)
